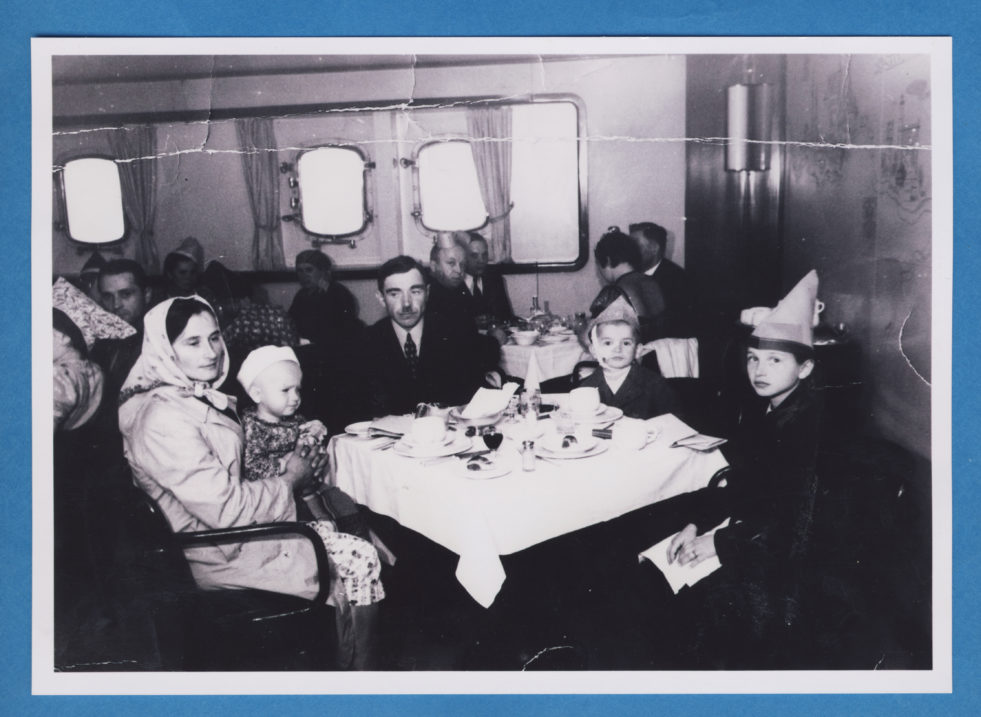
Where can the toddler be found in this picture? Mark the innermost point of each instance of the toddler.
(613, 339)
(272, 378)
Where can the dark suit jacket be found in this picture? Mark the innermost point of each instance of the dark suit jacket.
(449, 370)
(457, 308)
(677, 299)
(494, 300)
(326, 316)
(643, 394)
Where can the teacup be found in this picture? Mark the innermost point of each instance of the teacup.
(428, 430)
(630, 434)
(584, 401)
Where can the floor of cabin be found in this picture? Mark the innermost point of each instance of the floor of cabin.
(874, 613)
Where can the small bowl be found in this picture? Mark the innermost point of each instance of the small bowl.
(525, 338)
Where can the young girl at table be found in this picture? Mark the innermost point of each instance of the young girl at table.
(622, 383)
(271, 377)
(741, 615)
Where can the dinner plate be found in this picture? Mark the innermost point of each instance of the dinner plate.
(605, 414)
(486, 472)
(359, 429)
(555, 338)
(600, 447)
(459, 444)
(553, 444)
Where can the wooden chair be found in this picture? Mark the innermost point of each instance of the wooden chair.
(245, 629)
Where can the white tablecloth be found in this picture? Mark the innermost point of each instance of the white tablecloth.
(480, 520)
(536, 363)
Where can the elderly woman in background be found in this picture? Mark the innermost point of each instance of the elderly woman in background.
(183, 441)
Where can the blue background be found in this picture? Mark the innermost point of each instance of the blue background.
(497, 17)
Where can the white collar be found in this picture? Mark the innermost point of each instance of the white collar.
(415, 331)
(650, 272)
(470, 280)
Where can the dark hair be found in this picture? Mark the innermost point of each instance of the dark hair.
(180, 312)
(60, 321)
(477, 236)
(172, 260)
(651, 231)
(315, 258)
(615, 248)
(115, 267)
(401, 264)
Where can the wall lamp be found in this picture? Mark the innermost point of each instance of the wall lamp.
(749, 123)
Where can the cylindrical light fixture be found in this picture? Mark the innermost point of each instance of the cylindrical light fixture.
(749, 122)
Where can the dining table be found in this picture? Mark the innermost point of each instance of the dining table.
(544, 360)
(483, 516)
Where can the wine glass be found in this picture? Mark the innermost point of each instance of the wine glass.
(492, 439)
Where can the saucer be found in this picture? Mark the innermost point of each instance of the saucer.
(458, 444)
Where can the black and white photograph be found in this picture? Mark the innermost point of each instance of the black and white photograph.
(509, 365)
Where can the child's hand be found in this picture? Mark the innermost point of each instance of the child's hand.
(314, 429)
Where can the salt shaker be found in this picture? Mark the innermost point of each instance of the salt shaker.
(527, 455)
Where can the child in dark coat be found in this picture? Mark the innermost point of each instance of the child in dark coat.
(638, 392)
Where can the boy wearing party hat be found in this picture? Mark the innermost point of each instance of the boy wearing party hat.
(738, 616)
(780, 351)
(613, 337)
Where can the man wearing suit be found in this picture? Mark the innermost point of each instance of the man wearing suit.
(652, 240)
(411, 356)
(484, 283)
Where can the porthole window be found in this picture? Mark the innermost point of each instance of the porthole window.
(449, 193)
(332, 191)
(93, 200)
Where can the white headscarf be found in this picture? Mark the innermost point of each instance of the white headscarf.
(157, 364)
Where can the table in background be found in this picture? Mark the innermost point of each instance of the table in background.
(483, 519)
(541, 362)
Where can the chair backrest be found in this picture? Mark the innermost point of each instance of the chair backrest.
(155, 562)
(676, 358)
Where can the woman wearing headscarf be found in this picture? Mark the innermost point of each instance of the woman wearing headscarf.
(183, 441)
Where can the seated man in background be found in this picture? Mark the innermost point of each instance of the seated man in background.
(618, 261)
(652, 241)
(450, 299)
(323, 309)
(448, 294)
(411, 355)
(123, 290)
(485, 283)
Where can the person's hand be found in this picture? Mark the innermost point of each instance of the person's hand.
(694, 551)
(499, 334)
(305, 463)
(681, 541)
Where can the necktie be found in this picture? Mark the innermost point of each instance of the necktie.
(477, 293)
(411, 355)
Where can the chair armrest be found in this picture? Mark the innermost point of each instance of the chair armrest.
(249, 532)
(721, 478)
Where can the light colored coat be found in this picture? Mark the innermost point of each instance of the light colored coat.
(187, 456)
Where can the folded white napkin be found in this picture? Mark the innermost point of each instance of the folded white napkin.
(488, 401)
(393, 424)
(675, 573)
